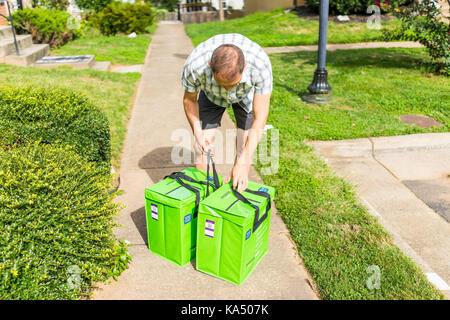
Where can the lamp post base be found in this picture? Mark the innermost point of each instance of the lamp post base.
(317, 97)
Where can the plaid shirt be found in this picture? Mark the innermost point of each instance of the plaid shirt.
(256, 77)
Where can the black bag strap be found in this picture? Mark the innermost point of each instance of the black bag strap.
(257, 222)
(215, 176)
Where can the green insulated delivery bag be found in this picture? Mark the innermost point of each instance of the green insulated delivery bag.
(171, 207)
(233, 231)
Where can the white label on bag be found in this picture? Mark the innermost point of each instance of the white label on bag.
(209, 228)
(155, 211)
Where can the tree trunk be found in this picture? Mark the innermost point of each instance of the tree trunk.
(221, 13)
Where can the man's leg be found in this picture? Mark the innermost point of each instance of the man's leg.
(244, 122)
(201, 158)
(241, 140)
(210, 118)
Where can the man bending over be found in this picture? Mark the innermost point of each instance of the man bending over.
(228, 70)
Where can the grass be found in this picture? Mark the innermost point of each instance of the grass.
(335, 235)
(277, 28)
(111, 92)
(117, 49)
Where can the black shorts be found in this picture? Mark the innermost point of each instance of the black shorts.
(211, 114)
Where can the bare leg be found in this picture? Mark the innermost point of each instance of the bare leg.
(241, 140)
(201, 159)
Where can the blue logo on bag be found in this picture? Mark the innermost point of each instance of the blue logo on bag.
(211, 178)
(187, 218)
(263, 189)
(247, 235)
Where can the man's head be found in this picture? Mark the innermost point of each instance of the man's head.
(227, 64)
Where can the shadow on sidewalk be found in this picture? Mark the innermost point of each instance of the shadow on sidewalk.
(158, 163)
(139, 221)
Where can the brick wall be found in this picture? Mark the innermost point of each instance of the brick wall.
(3, 11)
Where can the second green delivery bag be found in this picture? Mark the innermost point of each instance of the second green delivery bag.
(233, 231)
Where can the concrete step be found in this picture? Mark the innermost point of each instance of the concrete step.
(7, 45)
(27, 56)
(5, 32)
(76, 62)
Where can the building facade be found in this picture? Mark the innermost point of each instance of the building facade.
(249, 6)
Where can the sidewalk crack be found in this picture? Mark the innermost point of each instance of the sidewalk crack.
(374, 158)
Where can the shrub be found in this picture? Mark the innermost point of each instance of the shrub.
(170, 5)
(54, 115)
(96, 5)
(118, 17)
(56, 224)
(422, 22)
(350, 6)
(52, 4)
(45, 25)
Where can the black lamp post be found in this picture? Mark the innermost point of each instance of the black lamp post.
(319, 88)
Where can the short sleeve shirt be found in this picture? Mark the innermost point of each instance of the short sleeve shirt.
(256, 77)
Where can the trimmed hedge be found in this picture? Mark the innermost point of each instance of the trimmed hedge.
(45, 25)
(56, 224)
(118, 17)
(54, 115)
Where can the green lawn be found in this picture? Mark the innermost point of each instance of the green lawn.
(335, 235)
(117, 49)
(277, 28)
(112, 92)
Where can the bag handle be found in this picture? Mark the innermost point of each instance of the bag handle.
(215, 176)
(180, 176)
(258, 221)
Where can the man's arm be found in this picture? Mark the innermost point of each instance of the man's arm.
(191, 109)
(239, 174)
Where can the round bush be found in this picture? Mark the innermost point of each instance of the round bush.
(118, 17)
(56, 224)
(54, 115)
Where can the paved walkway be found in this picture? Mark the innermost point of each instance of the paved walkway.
(346, 46)
(157, 114)
(405, 182)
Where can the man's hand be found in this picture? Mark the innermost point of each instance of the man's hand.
(200, 145)
(239, 175)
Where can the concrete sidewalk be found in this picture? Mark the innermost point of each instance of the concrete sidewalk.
(157, 118)
(346, 46)
(405, 182)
